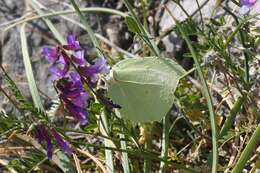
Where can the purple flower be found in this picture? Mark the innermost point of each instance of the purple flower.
(79, 57)
(71, 90)
(247, 5)
(71, 86)
(51, 54)
(73, 43)
(74, 97)
(77, 112)
(60, 67)
(63, 144)
(43, 136)
(92, 71)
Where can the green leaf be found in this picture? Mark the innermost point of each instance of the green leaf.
(132, 25)
(144, 87)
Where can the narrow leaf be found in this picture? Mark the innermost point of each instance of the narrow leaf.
(132, 25)
(28, 70)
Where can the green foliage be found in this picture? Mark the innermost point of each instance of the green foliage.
(132, 25)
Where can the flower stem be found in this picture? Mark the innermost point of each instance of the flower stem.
(206, 94)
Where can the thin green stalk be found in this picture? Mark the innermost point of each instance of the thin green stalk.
(148, 145)
(239, 26)
(145, 15)
(243, 41)
(65, 12)
(87, 27)
(125, 159)
(148, 40)
(231, 117)
(206, 94)
(165, 142)
(55, 32)
(247, 152)
(108, 153)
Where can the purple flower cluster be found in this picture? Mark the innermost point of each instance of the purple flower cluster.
(44, 135)
(247, 5)
(248, 2)
(69, 83)
(74, 97)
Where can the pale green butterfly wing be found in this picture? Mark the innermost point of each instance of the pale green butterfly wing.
(144, 87)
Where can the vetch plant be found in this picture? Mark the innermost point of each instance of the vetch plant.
(70, 83)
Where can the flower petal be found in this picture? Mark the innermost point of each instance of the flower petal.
(49, 148)
(51, 54)
(73, 43)
(60, 68)
(99, 66)
(248, 3)
(77, 112)
(42, 135)
(79, 57)
(63, 144)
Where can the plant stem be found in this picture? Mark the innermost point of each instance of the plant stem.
(206, 94)
(103, 117)
(165, 143)
(245, 156)
(148, 40)
(148, 144)
(245, 46)
(123, 144)
(231, 117)
(65, 12)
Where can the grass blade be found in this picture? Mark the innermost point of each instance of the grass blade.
(231, 117)
(206, 94)
(65, 12)
(165, 143)
(247, 152)
(87, 27)
(108, 153)
(55, 32)
(123, 144)
(144, 32)
(28, 70)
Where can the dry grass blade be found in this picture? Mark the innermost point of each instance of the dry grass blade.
(76, 160)
(5, 164)
(94, 159)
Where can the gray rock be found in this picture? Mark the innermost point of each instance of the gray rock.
(173, 42)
